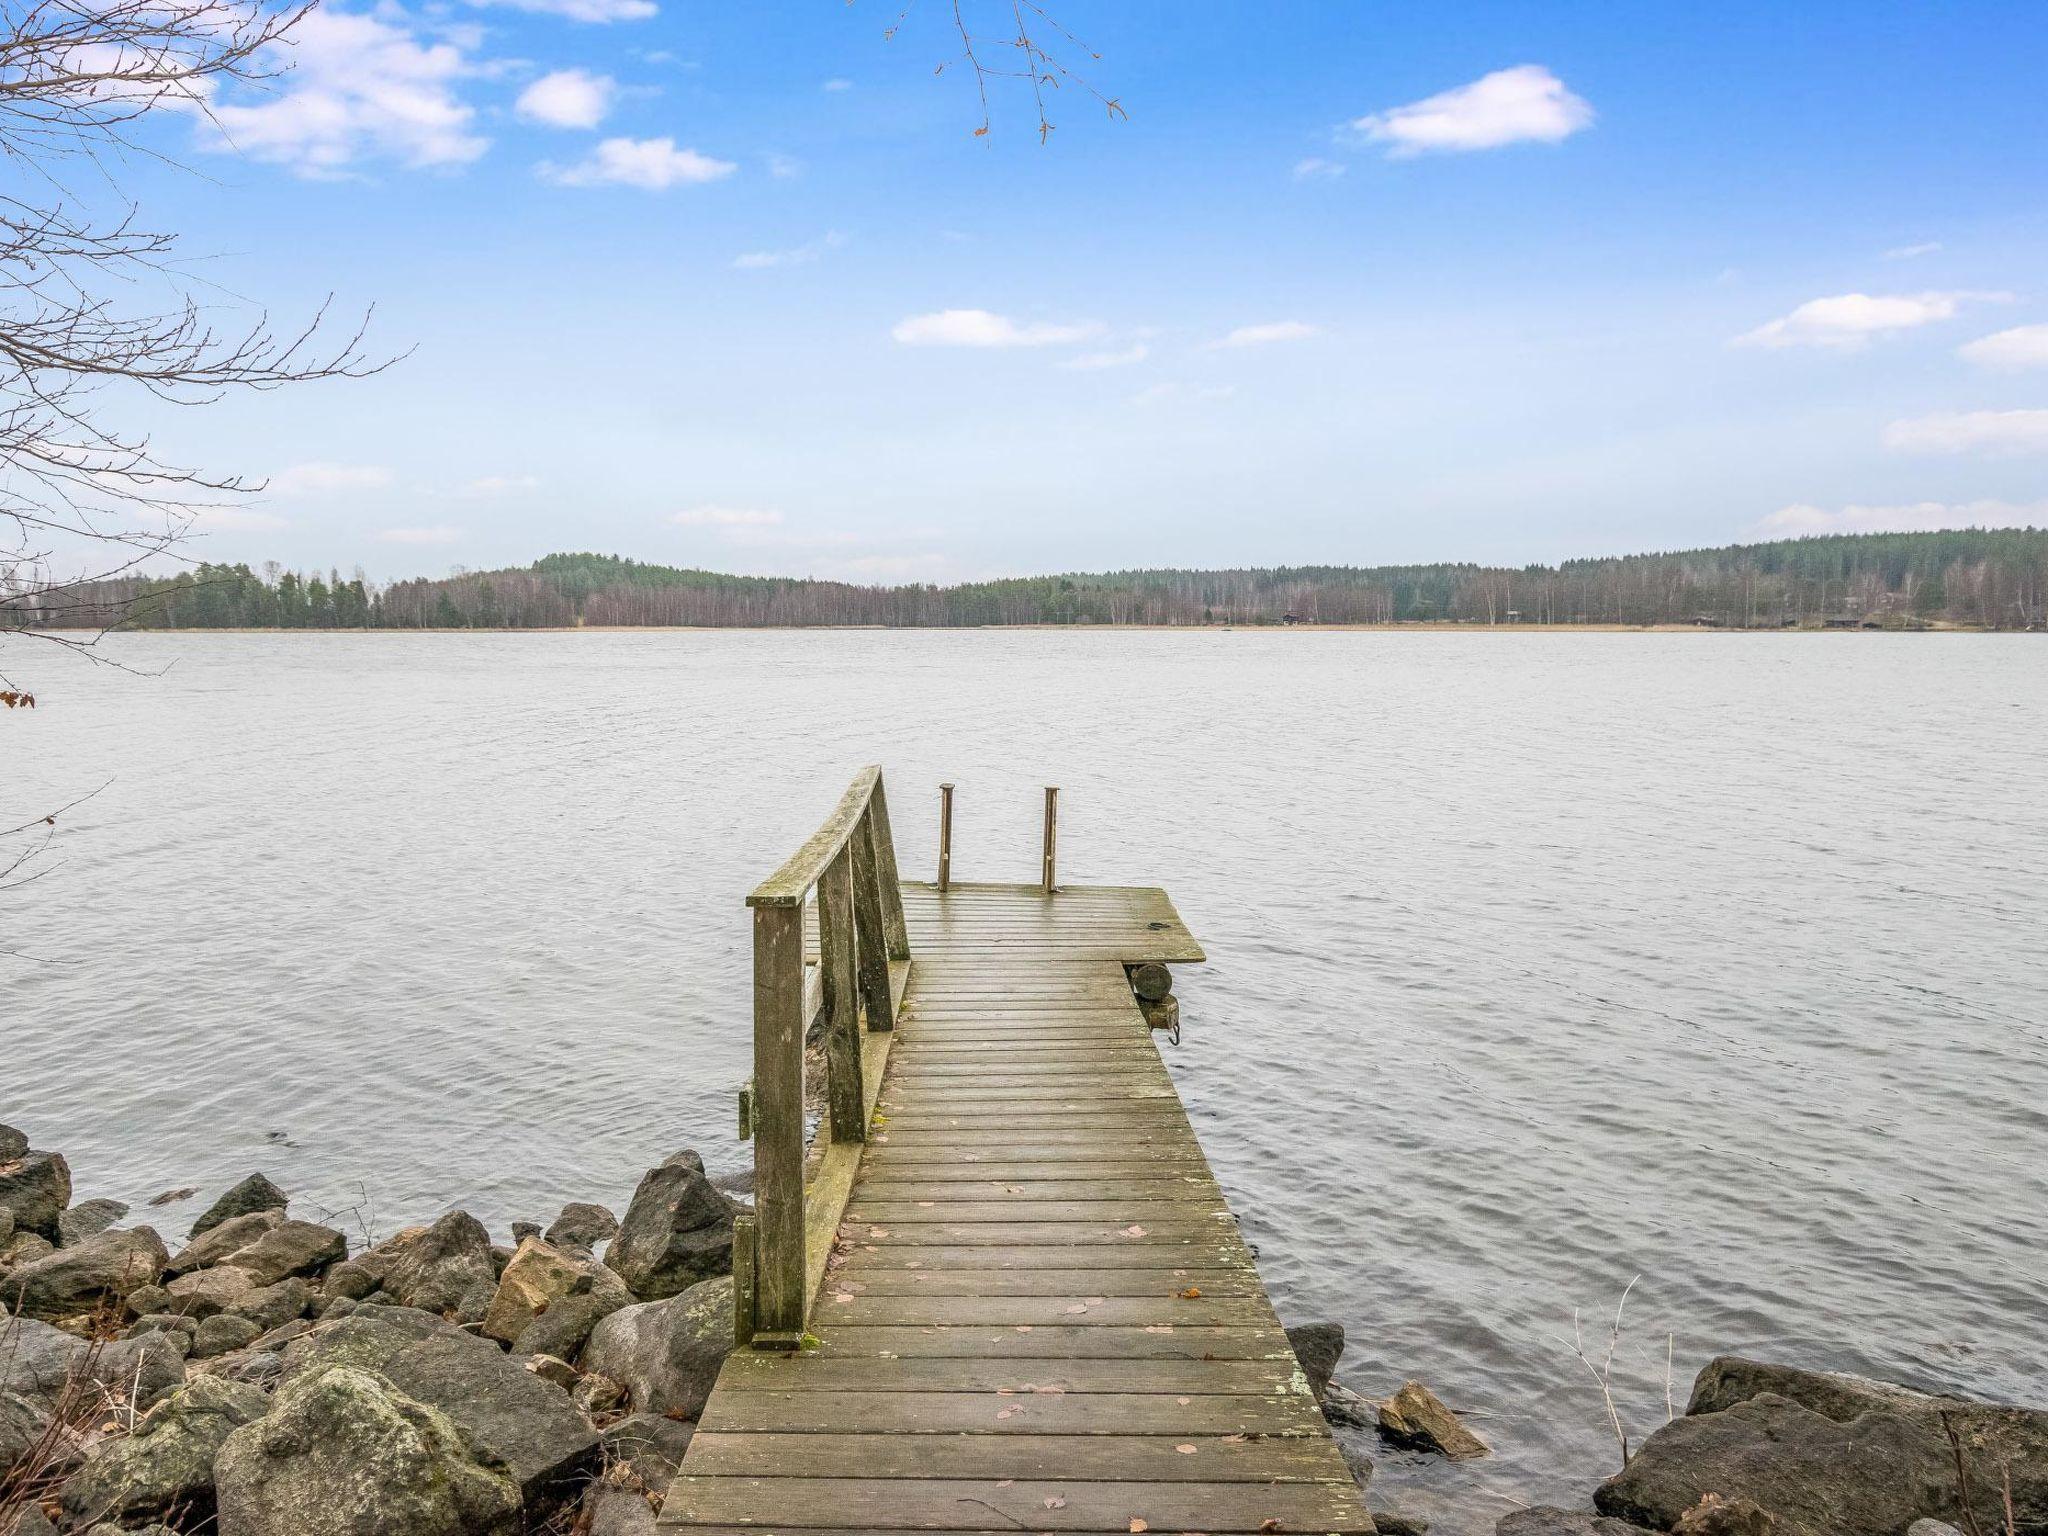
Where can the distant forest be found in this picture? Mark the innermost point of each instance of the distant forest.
(1989, 578)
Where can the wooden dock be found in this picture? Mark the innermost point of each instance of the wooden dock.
(1024, 1303)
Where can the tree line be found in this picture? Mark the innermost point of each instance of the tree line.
(1989, 578)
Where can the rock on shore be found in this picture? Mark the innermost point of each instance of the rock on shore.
(267, 1383)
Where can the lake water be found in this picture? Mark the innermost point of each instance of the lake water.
(1538, 962)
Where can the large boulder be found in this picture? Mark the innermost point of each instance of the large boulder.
(582, 1225)
(506, 1412)
(291, 1248)
(1317, 1348)
(676, 1233)
(272, 1306)
(255, 1193)
(566, 1326)
(206, 1292)
(98, 1270)
(540, 1275)
(345, 1453)
(46, 1372)
(436, 1268)
(1991, 1436)
(667, 1353)
(34, 1188)
(165, 1467)
(220, 1243)
(1813, 1475)
(86, 1219)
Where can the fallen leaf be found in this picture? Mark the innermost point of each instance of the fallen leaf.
(1269, 1525)
(1055, 1502)
(1185, 1450)
(1008, 1482)
(1134, 1230)
(1138, 1525)
(1192, 1293)
(1077, 1307)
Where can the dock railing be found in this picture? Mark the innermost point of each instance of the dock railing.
(849, 863)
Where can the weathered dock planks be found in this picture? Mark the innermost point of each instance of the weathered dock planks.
(1037, 1314)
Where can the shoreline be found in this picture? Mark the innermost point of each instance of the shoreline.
(1148, 629)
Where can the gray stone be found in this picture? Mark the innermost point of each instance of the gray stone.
(165, 1467)
(1318, 1347)
(205, 1292)
(667, 1353)
(255, 1193)
(522, 1230)
(87, 1219)
(164, 1322)
(1548, 1520)
(611, 1509)
(34, 1522)
(6, 1224)
(1357, 1461)
(45, 1371)
(651, 1446)
(13, 1144)
(272, 1306)
(1343, 1406)
(345, 1453)
(1391, 1522)
(1926, 1527)
(99, 1270)
(676, 1233)
(436, 1268)
(248, 1365)
(20, 1248)
(337, 1306)
(221, 1242)
(291, 1248)
(1716, 1516)
(1871, 1477)
(221, 1334)
(350, 1281)
(34, 1188)
(511, 1415)
(582, 1225)
(564, 1328)
(1991, 1435)
(597, 1395)
(548, 1368)
(145, 1299)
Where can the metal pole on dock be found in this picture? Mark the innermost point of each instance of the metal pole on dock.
(945, 837)
(1048, 881)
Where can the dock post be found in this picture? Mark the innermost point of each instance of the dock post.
(1048, 881)
(945, 837)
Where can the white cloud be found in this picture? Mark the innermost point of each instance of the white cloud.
(359, 87)
(1801, 519)
(654, 165)
(568, 98)
(979, 328)
(783, 167)
(1315, 168)
(1509, 106)
(795, 256)
(725, 517)
(236, 520)
(1087, 362)
(321, 478)
(583, 10)
(836, 85)
(1852, 319)
(1263, 335)
(1993, 432)
(436, 535)
(487, 486)
(2024, 346)
(1908, 252)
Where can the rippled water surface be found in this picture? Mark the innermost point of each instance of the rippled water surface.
(1537, 961)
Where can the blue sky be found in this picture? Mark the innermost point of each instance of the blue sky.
(739, 286)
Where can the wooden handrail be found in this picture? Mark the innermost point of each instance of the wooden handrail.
(850, 862)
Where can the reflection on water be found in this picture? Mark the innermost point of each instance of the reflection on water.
(1538, 962)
